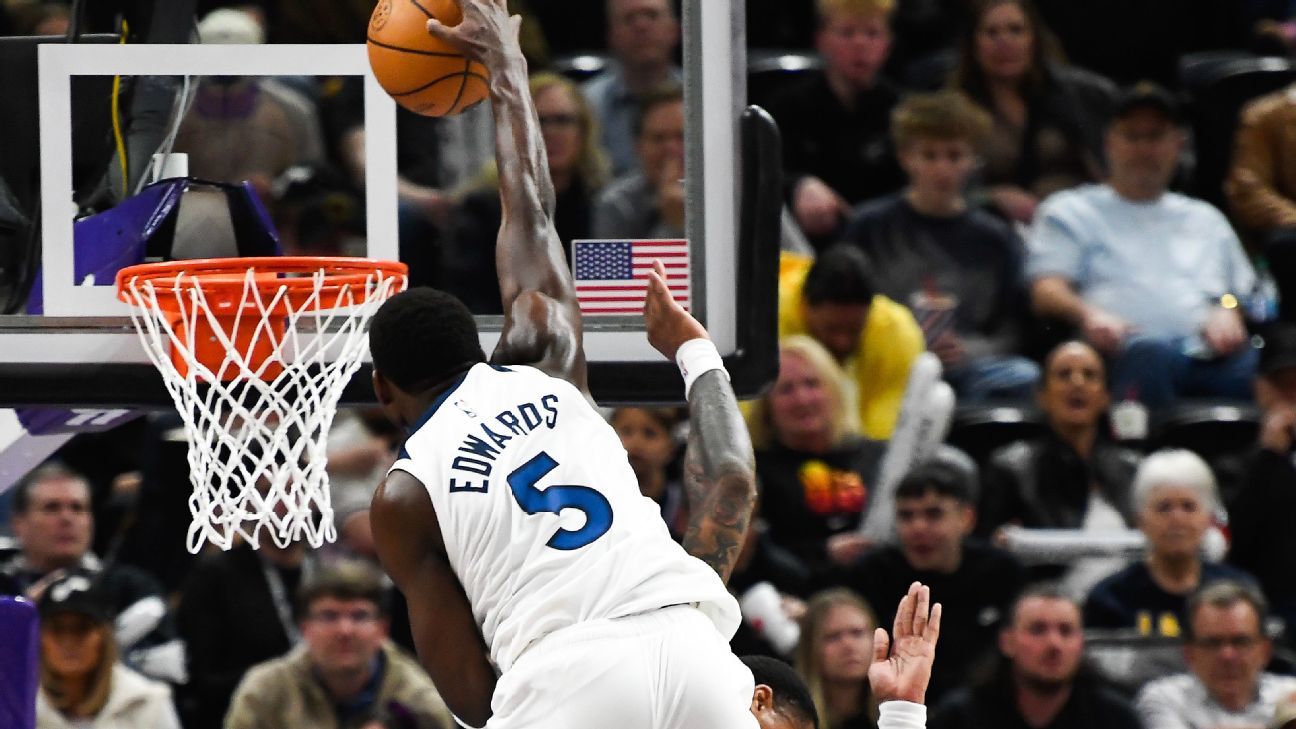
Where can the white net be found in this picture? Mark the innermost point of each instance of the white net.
(257, 439)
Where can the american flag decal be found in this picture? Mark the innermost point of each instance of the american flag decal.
(612, 275)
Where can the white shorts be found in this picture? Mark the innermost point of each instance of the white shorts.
(665, 669)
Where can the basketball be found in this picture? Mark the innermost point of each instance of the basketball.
(422, 73)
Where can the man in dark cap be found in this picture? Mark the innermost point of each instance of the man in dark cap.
(1264, 543)
(1153, 279)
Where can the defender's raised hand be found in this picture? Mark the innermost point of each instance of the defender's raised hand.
(486, 34)
(719, 467)
(668, 324)
(902, 665)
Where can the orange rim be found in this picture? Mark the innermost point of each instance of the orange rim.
(223, 280)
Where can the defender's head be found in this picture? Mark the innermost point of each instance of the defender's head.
(781, 699)
(419, 339)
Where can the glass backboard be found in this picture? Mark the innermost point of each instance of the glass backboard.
(78, 346)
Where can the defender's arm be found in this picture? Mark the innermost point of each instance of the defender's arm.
(719, 474)
(719, 466)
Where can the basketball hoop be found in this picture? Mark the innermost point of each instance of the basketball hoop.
(255, 353)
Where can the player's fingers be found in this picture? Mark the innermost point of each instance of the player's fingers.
(904, 616)
(656, 284)
(441, 31)
(515, 23)
(667, 296)
(921, 609)
(881, 645)
(655, 280)
(657, 301)
(933, 626)
(658, 278)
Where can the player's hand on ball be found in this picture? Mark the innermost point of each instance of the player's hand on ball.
(668, 324)
(487, 33)
(902, 663)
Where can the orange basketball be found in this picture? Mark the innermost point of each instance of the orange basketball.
(423, 74)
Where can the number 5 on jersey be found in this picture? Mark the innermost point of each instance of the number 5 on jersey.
(598, 512)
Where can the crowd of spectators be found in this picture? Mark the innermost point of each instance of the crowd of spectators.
(1009, 185)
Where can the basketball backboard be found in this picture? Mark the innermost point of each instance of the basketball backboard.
(82, 350)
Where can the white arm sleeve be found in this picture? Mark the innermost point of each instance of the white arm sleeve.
(902, 715)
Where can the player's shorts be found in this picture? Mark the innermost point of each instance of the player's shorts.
(665, 669)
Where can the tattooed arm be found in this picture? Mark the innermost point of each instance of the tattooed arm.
(719, 475)
(719, 467)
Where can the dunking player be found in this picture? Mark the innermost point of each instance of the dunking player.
(513, 523)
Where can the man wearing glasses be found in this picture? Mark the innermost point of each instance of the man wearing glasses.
(346, 673)
(1226, 648)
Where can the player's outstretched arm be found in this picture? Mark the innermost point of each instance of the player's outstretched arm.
(408, 540)
(542, 324)
(719, 467)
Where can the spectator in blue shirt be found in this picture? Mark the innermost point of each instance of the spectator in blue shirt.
(1153, 279)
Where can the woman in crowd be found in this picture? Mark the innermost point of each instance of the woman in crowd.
(1048, 117)
(1071, 477)
(1176, 501)
(833, 658)
(578, 168)
(648, 435)
(815, 470)
(82, 684)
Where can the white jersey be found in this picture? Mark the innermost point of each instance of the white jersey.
(542, 517)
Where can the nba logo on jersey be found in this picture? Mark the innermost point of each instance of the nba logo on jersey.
(463, 408)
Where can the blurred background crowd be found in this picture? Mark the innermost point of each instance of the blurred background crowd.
(1085, 211)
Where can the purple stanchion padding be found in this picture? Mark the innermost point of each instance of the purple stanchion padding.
(107, 242)
(104, 244)
(19, 653)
